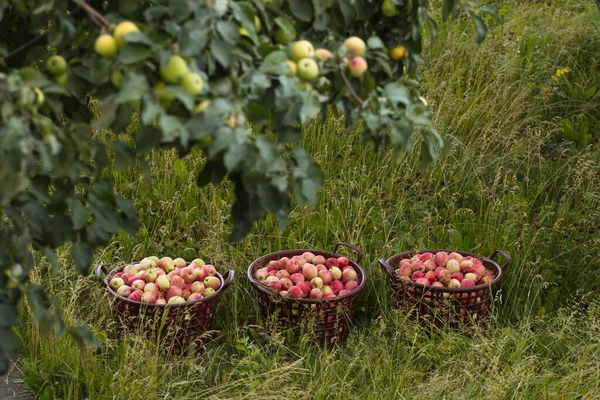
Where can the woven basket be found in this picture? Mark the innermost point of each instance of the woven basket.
(325, 320)
(458, 308)
(175, 324)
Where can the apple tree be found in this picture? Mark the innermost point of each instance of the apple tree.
(236, 79)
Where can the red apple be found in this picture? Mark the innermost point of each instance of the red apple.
(194, 297)
(425, 256)
(275, 284)
(418, 266)
(332, 262)
(417, 275)
(297, 277)
(431, 276)
(296, 292)
(138, 285)
(305, 287)
(136, 295)
(197, 287)
(187, 273)
(318, 260)
(177, 281)
(336, 286)
(161, 301)
(326, 276)
(173, 291)
(148, 297)
(329, 296)
(286, 283)
(455, 256)
(309, 271)
(282, 274)
(343, 292)
(209, 270)
(441, 257)
(315, 294)
(343, 261)
(351, 285)
(467, 283)
(348, 275)
(429, 265)
(260, 274)
(308, 256)
(444, 276)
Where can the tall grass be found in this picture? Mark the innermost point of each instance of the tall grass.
(509, 181)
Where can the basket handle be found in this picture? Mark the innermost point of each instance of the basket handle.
(228, 278)
(98, 272)
(506, 257)
(356, 249)
(387, 268)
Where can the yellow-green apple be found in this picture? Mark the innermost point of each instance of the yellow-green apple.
(197, 287)
(56, 65)
(106, 46)
(166, 264)
(151, 275)
(175, 69)
(292, 66)
(163, 282)
(199, 262)
(316, 283)
(336, 273)
(388, 8)
(130, 269)
(209, 291)
(213, 282)
(151, 287)
(161, 301)
(397, 53)
(302, 49)
(149, 298)
(471, 276)
(124, 291)
(307, 69)
(309, 271)
(179, 263)
(452, 265)
(123, 29)
(192, 83)
(176, 300)
(356, 45)
(116, 283)
(326, 289)
(282, 274)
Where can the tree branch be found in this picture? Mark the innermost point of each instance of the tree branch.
(351, 89)
(95, 15)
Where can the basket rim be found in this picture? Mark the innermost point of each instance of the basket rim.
(284, 253)
(212, 297)
(438, 289)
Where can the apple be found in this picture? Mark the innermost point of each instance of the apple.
(173, 291)
(138, 285)
(336, 286)
(209, 292)
(175, 69)
(467, 283)
(404, 270)
(292, 66)
(471, 276)
(62, 79)
(260, 274)
(200, 274)
(431, 276)
(422, 281)
(307, 69)
(136, 295)
(315, 293)
(192, 83)
(274, 284)
(444, 276)
(296, 292)
(397, 53)
(329, 296)
(309, 271)
(417, 275)
(166, 264)
(148, 297)
(425, 256)
(286, 283)
(187, 273)
(441, 257)
(357, 66)
(176, 300)
(106, 46)
(429, 265)
(351, 285)
(305, 287)
(348, 275)
(197, 287)
(316, 283)
(458, 276)
(336, 273)
(123, 29)
(326, 276)
(326, 289)
(467, 266)
(437, 284)
(151, 288)
(318, 260)
(214, 282)
(454, 283)
(453, 265)
(179, 263)
(323, 54)
(126, 277)
(177, 281)
(282, 274)
(130, 269)
(486, 280)
(293, 267)
(455, 256)
(302, 49)
(116, 283)
(209, 270)
(175, 272)
(356, 45)
(163, 282)
(198, 261)
(124, 291)
(56, 65)
(308, 256)
(332, 262)
(194, 297)
(418, 266)
(406, 261)
(297, 278)
(151, 275)
(321, 267)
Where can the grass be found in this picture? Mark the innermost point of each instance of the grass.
(511, 180)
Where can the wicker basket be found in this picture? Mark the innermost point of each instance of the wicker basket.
(458, 308)
(325, 320)
(175, 324)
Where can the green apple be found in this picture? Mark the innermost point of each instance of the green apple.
(307, 69)
(356, 45)
(192, 83)
(292, 66)
(282, 38)
(62, 78)
(123, 29)
(164, 96)
(117, 79)
(56, 65)
(302, 49)
(106, 46)
(175, 69)
(388, 8)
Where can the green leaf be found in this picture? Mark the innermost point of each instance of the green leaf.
(126, 206)
(193, 37)
(147, 138)
(51, 256)
(83, 337)
(375, 42)
(273, 63)
(83, 256)
(397, 93)
(221, 51)
(310, 106)
(286, 26)
(229, 31)
(302, 9)
(133, 53)
(78, 212)
(480, 28)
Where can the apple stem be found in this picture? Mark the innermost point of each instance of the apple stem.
(98, 18)
(351, 89)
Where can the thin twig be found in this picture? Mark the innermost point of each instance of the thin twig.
(95, 15)
(351, 89)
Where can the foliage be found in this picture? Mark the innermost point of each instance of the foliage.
(52, 170)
